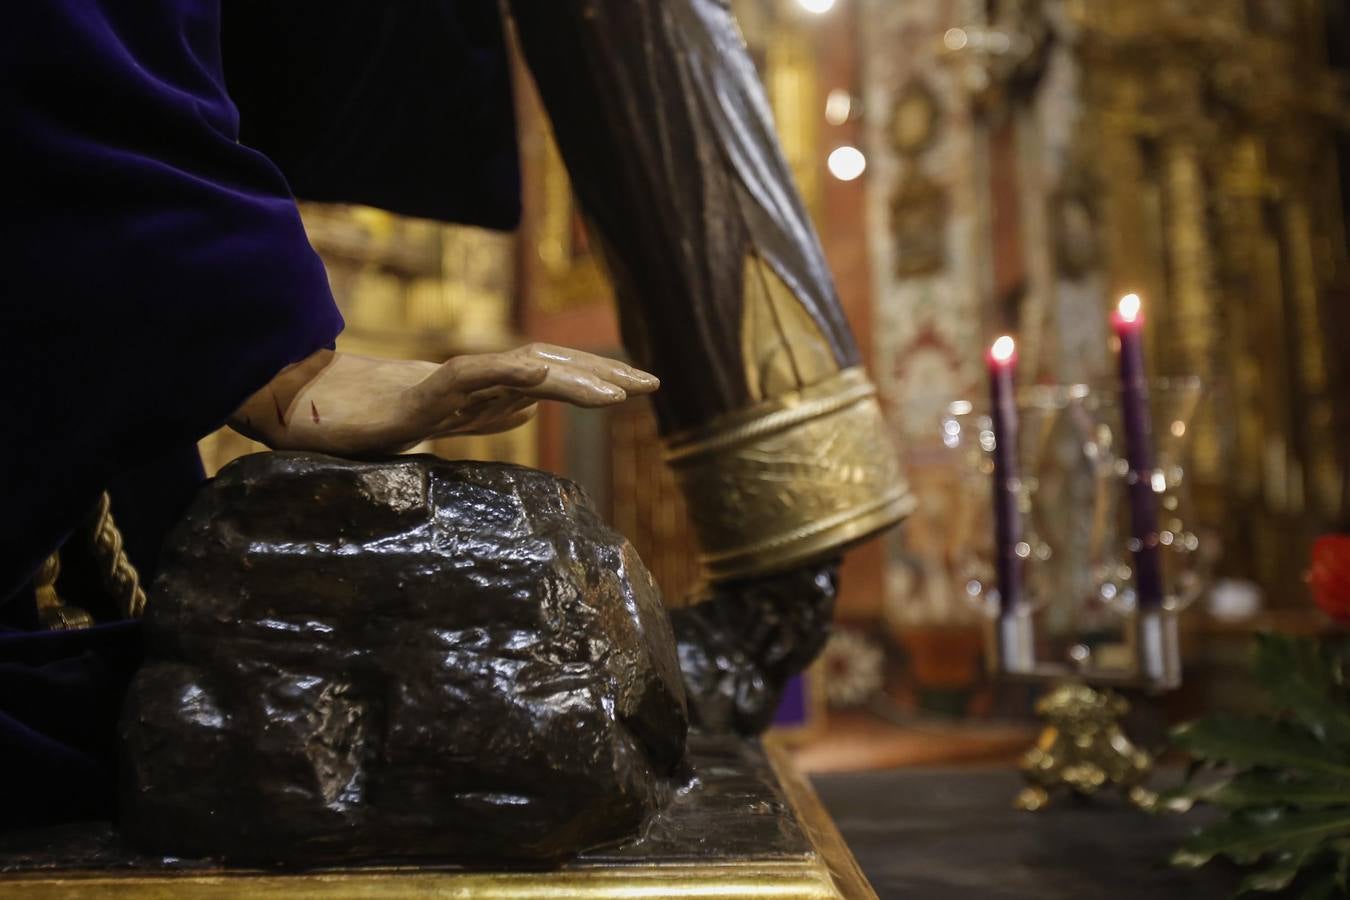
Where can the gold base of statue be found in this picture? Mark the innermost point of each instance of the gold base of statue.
(813, 863)
(1084, 749)
(792, 480)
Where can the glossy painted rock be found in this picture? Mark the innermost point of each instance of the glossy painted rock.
(412, 658)
(740, 646)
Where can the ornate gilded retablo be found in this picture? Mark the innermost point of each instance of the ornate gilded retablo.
(791, 480)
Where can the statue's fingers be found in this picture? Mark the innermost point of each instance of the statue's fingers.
(576, 386)
(632, 380)
(466, 374)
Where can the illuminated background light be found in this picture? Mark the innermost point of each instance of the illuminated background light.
(1003, 349)
(838, 106)
(816, 6)
(847, 163)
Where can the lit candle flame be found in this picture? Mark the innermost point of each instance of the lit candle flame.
(1129, 308)
(1003, 350)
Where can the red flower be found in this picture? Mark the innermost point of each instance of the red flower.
(1329, 575)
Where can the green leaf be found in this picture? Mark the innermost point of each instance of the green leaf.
(1245, 839)
(1197, 788)
(1301, 679)
(1264, 788)
(1290, 801)
(1277, 876)
(1255, 742)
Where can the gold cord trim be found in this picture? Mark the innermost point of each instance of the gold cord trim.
(119, 576)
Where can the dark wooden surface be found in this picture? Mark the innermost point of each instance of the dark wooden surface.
(934, 834)
(732, 809)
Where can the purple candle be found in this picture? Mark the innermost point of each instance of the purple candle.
(1128, 323)
(1007, 481)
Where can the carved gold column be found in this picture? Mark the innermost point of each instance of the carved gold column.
(1191, 342)
(1316, 430)
(1259, 395)
(1268, 307)
(1134, 264)
(1240, 215)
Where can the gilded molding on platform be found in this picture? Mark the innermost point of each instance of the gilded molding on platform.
(779, 880)
(792, 480)
(845, 873)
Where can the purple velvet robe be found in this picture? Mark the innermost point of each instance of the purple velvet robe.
(156, 274)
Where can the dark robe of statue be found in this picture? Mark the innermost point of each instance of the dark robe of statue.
(156, 273)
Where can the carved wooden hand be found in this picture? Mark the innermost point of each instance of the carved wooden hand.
(349, 405)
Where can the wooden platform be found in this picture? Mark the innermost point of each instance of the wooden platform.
(745, 826)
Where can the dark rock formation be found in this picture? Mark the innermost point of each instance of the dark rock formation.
(740, 646)
(405, 658)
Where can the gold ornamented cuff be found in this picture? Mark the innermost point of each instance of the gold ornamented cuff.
(794, 479)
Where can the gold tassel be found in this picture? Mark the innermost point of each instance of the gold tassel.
(44, 583)
(52, 612)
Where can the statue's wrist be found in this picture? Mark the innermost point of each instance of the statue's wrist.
(266, 415)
